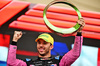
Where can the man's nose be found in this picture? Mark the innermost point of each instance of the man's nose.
(41, 44)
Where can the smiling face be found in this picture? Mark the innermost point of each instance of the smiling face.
(44, 48)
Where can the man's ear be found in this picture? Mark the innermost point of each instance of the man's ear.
(51, 47)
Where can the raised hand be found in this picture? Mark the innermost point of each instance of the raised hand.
(17, 35)
(82, 23)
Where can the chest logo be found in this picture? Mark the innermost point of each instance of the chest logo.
(53, 64)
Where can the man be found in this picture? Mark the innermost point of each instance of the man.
(44, 47)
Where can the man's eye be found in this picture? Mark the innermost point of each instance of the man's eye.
(45, 42)
(38, 42)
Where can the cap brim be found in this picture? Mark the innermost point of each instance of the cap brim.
(40, 38)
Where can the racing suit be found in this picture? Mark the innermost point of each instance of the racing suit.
(66, 60)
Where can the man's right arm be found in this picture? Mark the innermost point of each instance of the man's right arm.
(12, 61)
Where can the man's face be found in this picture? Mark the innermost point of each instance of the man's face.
(43, 47)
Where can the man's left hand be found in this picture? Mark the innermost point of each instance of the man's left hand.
(82, 23)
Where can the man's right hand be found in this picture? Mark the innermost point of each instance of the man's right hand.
(17, 35)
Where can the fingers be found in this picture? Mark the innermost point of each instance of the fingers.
(81, 22)
(18, 33)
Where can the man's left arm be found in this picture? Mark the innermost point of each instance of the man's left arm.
(73, 54)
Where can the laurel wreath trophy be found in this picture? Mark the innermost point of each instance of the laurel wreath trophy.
(61, 31)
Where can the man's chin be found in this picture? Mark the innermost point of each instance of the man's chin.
(42, 54)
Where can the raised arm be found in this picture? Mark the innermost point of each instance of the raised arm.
(12, 61)
(73, 54)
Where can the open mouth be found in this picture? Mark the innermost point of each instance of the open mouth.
(41, 49)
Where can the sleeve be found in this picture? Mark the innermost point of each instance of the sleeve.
(11, 60)
(73, 54)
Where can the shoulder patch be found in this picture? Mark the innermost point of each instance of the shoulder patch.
(27, 59)
(57, 57)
